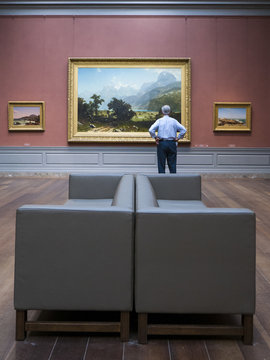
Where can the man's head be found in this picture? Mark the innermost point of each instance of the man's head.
(166, 109)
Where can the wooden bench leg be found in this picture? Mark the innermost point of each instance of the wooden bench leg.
(142, 328)
(247, 322)
(124, 325)
(21, 318)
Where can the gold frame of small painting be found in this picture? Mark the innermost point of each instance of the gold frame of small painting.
(232, 116)
(26, 115)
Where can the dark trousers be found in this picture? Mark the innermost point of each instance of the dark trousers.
(166, 150)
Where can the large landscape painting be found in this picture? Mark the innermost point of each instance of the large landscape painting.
(118, 100)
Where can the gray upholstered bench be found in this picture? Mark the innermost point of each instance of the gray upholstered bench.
(191, 259)
(77, 256)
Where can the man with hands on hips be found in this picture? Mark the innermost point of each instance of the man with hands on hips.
(167, 139)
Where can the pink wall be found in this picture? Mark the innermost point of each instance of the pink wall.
(230, 59)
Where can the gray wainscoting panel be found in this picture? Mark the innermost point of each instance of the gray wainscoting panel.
(18, 158)
(78, 158)
(198, 159)
(248, 160)
(132, 159)
(129, 159)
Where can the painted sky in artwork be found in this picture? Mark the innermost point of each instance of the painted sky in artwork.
(95, 80)
(21, 111)
(232, 113)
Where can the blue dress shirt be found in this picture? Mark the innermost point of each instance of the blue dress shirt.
(167, 128)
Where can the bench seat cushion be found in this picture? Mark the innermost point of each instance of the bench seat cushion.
(89, 202)
(181, 204)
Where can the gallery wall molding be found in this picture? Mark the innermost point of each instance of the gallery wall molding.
(132, 7)
(97, 159)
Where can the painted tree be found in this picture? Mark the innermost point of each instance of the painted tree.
(121, 110)
(95, 104)
(82, 109)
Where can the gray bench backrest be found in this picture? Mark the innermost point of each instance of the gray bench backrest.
(85, 186)
(176, 187)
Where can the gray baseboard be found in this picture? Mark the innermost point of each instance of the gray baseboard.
(18, 160)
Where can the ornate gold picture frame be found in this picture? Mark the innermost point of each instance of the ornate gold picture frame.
(235, 116)
(118, 99)
(26, 115)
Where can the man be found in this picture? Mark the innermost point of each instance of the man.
(167, 139)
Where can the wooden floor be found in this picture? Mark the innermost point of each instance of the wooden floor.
(217, 192)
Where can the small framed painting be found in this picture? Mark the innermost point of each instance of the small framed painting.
(26, 115)
(235, 116)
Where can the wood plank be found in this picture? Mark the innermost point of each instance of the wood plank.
(262, 302)
(260, 334)
(7, 330)
(105, 348)
(224, 350)
(15, 192)
(70, 348)
(156, 349)
(188, 349)
(263, 263)
(34, 348)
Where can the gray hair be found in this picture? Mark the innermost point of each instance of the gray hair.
(166, 109)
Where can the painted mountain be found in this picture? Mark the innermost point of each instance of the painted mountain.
(28, 120)
(150, 97)
(166, 90)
